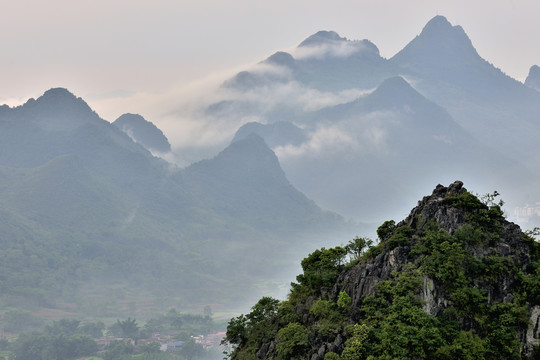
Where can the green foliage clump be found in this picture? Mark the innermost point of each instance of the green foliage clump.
(385, 230)
(322, 308)
(397, 325)
(292, 342)
(126, 328)
(357, 247)
(390, 236)
(466, 345)
(483, 212)
(331, 356)
(320, 269)
(400, 237)
(118, 350)
(358, 345)
(245, 330)
(328, 319)
(344, 300)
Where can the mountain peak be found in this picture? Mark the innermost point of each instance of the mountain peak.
(249, 157)
(143, 132)
(395, 82)
(533, 79)
(58, 92)
(247, 162)
(59, 109)
(394, 92)
(60, 97)
(322, 37)
(440, 27)
(439, 45)
(254, 142)
(274, 134)
(438, 23)
(281, 58)
(330, 43)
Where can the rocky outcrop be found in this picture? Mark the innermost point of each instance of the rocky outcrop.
(361, 280)
(454, 263)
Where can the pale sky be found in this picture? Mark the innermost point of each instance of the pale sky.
(129, 56)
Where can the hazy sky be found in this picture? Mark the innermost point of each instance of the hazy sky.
(129, 56)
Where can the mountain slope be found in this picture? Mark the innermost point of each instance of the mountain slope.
(390, 141)
(233, 181)
(496, 109)
(89, 215)
(465, 119)
(143, 132)
(452, 280)
(441, 50)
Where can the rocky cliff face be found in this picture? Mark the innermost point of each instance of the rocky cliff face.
(361, 280)
(452, 280)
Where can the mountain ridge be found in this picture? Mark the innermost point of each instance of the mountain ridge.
(496, 112)
(96, 215)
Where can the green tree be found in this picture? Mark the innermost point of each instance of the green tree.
(466, 345)
(292, 342)
(191, 350)
(344, 300)
(357, 346)
(127, 328)
(237, 331)
(357, 246)
(385, 230)
(118, 350)
(265, 308)
(332, 356)
(322, 267)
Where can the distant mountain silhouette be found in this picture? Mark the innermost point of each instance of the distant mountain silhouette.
(143, 132)
(533, 79)
(462, 113)
(444, 66)
(394, 140)
(275, 134)
(325, 61)
(322, 38)
(94, 207)
(245, 180)
(440, 49)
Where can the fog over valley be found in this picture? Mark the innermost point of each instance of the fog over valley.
(138, 217)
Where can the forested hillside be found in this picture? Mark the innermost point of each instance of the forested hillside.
(90, 218)
(454, 280)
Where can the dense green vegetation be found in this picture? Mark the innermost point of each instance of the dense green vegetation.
(487, 296)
